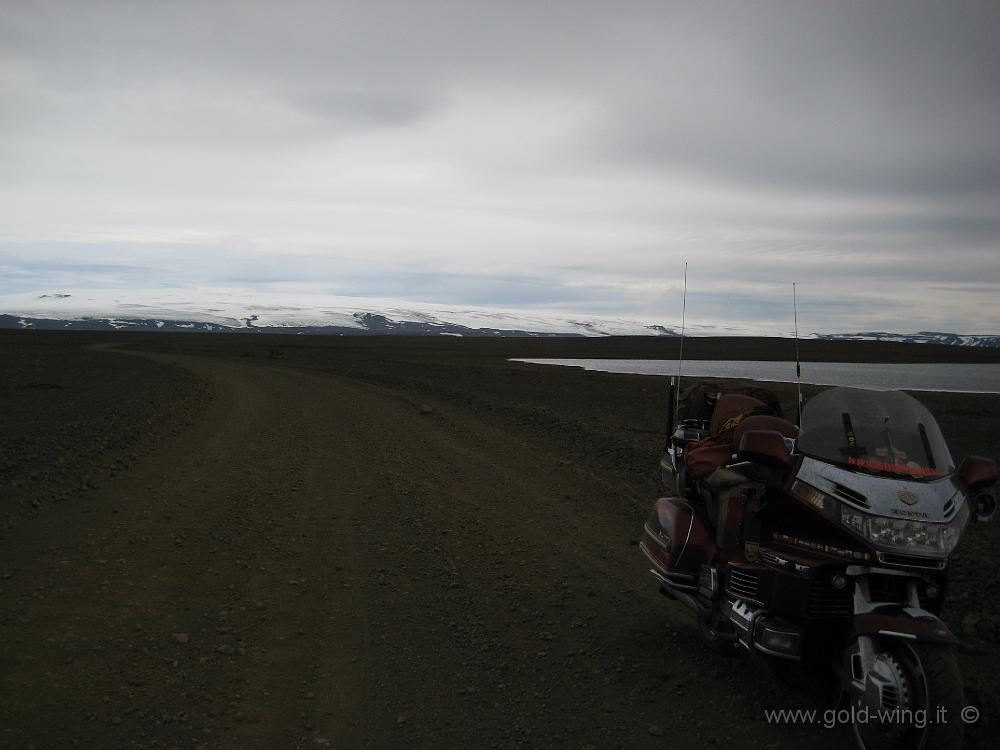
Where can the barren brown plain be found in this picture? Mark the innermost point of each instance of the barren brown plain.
(213, 540)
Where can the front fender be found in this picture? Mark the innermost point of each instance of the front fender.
(899, 621)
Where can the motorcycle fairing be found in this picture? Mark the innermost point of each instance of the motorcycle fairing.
(676, 539)
(936, 501)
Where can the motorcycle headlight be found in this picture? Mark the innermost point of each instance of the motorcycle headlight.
(907, 536)
(853, 519)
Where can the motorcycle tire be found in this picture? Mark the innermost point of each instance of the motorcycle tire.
(933, 676)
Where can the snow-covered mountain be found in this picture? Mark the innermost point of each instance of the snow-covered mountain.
(250, 311)
(921, 337)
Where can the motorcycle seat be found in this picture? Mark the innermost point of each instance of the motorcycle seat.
(707, 455)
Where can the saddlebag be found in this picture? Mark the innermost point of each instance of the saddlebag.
(676, 541)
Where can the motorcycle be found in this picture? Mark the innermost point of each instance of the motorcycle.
(824, 548)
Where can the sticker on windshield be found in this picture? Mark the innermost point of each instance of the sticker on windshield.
(872, 464)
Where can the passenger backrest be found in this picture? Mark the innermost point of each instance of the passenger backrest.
(763, 422)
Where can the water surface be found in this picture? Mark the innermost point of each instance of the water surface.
(962, 378)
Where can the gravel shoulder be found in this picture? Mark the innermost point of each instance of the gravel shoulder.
(378, 546)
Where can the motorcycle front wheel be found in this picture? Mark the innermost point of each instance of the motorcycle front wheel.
(913, 700)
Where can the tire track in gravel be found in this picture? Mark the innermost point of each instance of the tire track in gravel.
(536, 623)
(195, 596)
(318, 563)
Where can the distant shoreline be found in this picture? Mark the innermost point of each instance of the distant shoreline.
(561, 347)
(938, 377)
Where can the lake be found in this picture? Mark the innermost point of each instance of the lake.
(961, 378)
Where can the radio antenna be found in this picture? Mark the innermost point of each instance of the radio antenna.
(798, 360)
(680, 356)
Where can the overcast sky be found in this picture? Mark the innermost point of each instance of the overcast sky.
(561, 155)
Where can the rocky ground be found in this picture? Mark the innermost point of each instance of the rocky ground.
(222, 541)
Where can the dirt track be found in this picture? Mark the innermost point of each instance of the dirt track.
(315, 560)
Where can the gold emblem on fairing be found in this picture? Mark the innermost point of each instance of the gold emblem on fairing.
(910, 498)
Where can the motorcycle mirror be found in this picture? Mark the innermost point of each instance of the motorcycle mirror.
(985, 506)
(765, 447)
(977, 472)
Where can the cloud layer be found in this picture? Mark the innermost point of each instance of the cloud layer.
(561, 155)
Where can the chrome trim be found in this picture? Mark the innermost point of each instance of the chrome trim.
(680, 555)
(683, 576)
(668, 465)
(659, 575)
(744, 585)
(672, 584)
(926, 563)
(743, 616)
(649, 556)
(682, 596)
(708, 581)
(771, 558)
(863, 570)
(896, 634)
(655, 536)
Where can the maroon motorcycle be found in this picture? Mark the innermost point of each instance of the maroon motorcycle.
(824, 548)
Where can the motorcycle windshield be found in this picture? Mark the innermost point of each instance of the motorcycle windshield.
(887, 433)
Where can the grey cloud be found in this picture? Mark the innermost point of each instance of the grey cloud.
(548, 154)
(871, 97)
(953, 225)
(369, 108)
(991, 288)
(463, 288)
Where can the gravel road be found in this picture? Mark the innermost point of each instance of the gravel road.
(295, 557)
